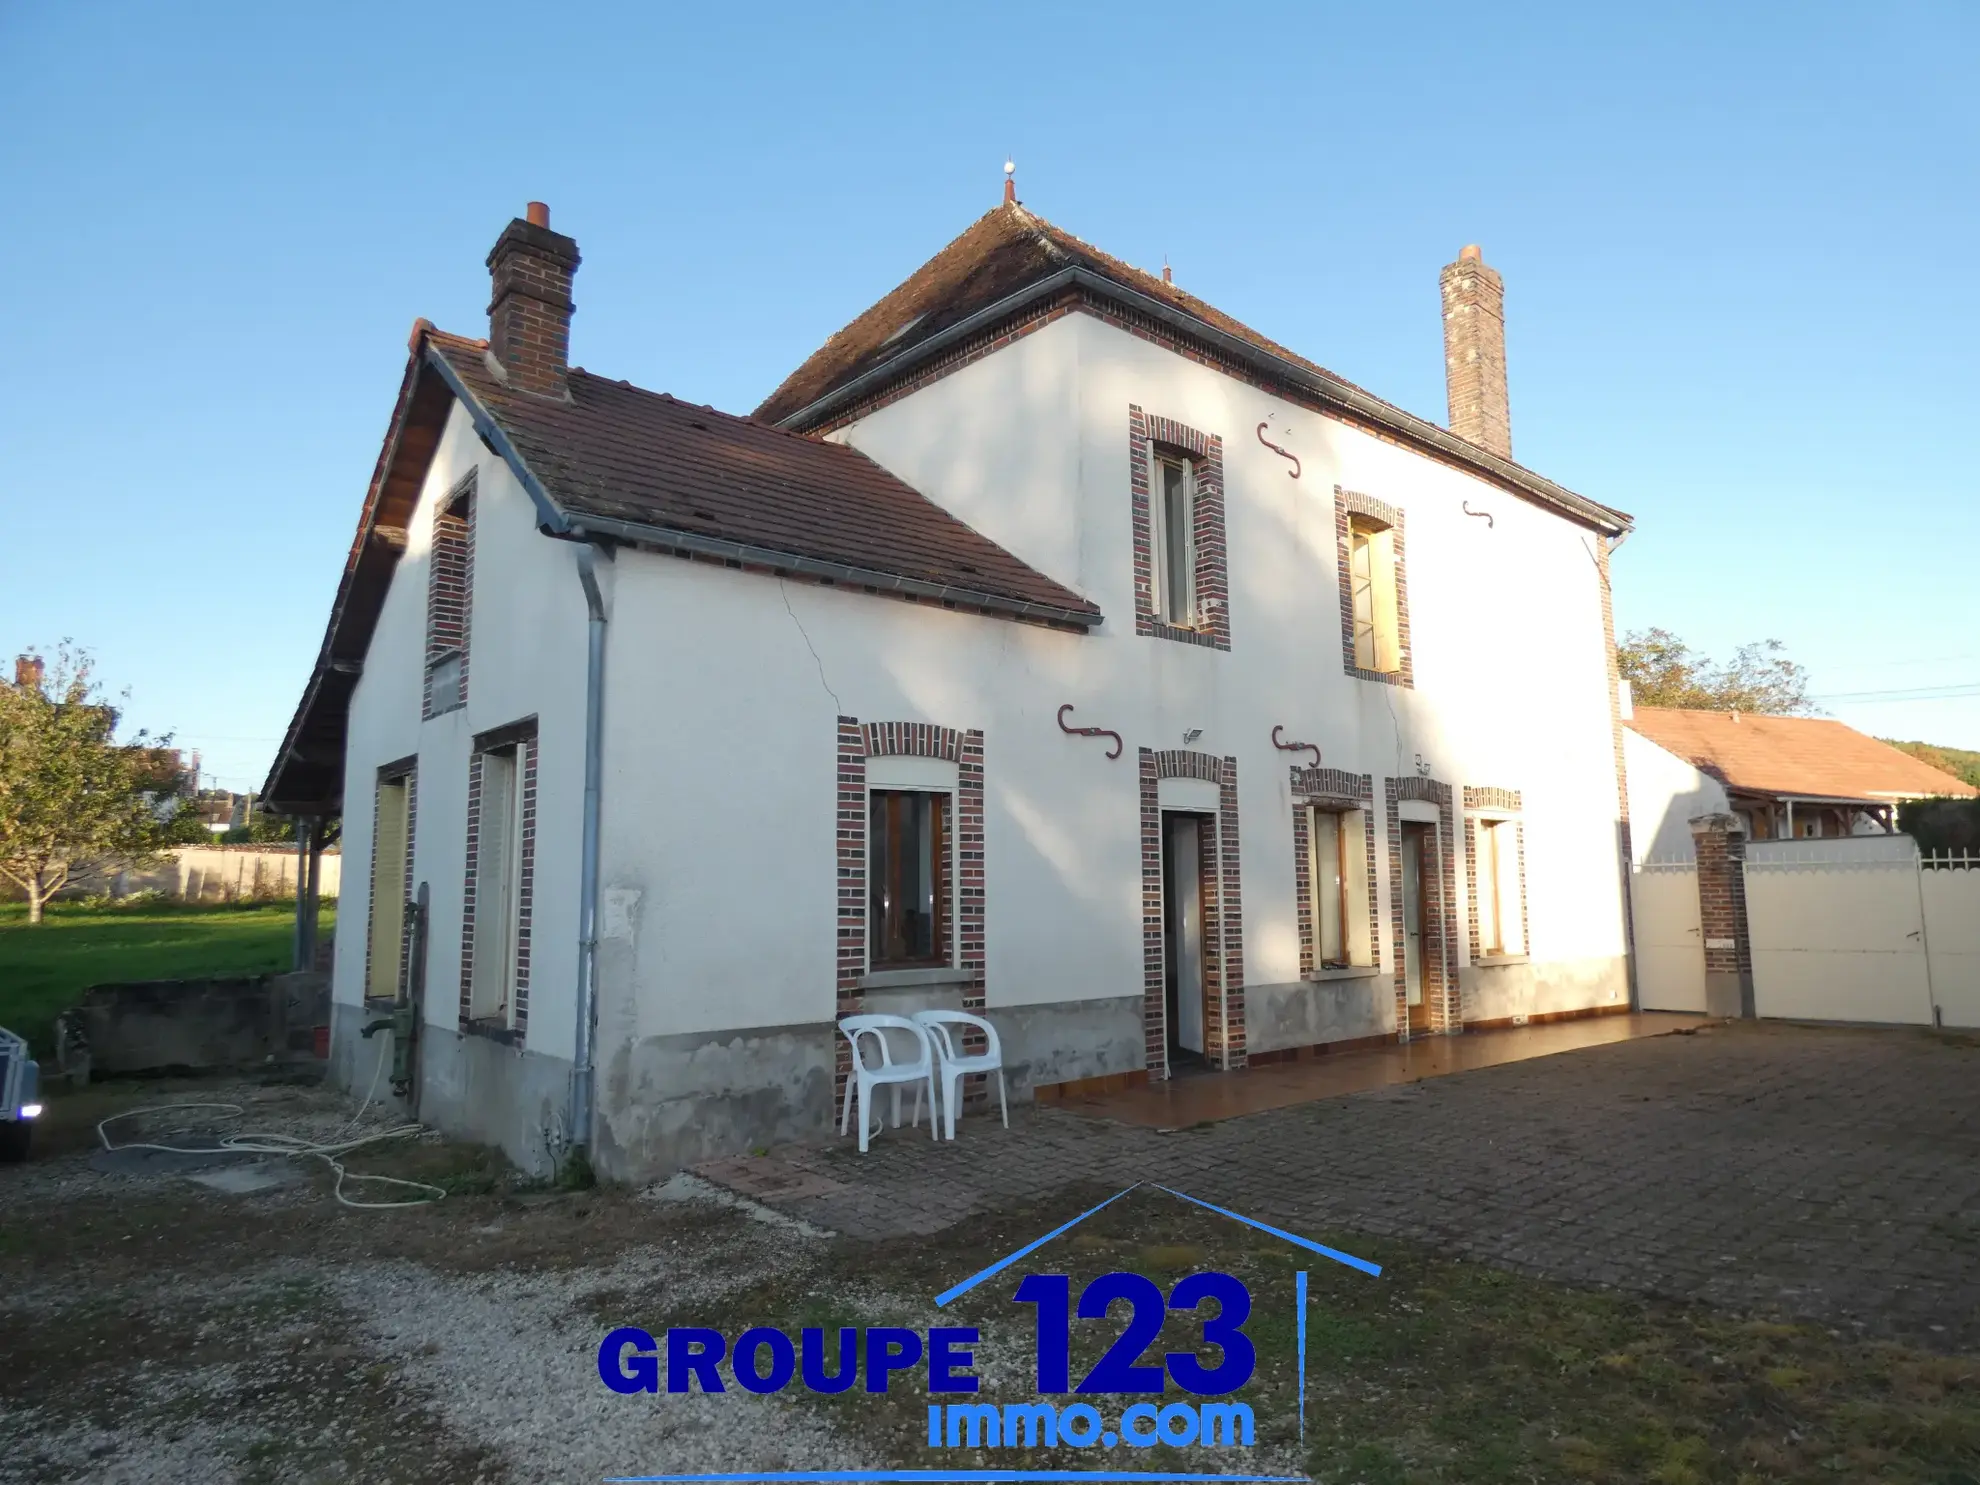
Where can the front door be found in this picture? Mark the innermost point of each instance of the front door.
(1412, 896)
(1182, 930)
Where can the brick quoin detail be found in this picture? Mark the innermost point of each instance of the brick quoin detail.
(1348, 504)
(1223, 911)
(1502, 802)
(963, 876)
(1332, 789)
(1213, 587)
(450, 585)
(524, 736)
(1440, 986)
(1625, 849)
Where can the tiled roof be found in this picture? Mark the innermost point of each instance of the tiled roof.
(1009, 250)
(616, 452)
(1793, 755)
(1004, 250)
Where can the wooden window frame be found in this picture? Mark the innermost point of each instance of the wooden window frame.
(880, 931)
(1163, 526)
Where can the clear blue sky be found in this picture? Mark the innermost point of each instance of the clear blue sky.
(1738, 246)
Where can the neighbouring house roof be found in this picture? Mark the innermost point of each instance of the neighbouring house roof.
(620, 462)
(1011, 262)
(1808, 757)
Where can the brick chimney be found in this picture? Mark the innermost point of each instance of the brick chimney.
(529, 317)
(1475, 352)
(27, 671)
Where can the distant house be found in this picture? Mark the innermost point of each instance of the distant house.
(1785, 777)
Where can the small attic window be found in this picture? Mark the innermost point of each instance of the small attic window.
(903, 328)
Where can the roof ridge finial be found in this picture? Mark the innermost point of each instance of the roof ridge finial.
(1168, 275)
(1010, 181)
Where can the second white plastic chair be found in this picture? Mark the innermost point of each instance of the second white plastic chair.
(864, 1078)
(956, 1065)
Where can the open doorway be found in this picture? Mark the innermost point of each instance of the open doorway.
(1416, 857)
(1185, 981)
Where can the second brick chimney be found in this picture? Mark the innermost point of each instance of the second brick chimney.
(529, 317)
(1475, 352)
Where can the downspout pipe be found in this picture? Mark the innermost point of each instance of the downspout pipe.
(582, 1074)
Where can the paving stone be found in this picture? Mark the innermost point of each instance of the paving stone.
(1830, 1174)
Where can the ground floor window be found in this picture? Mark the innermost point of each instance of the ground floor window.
(495, 926)
(907, 858)
(1339, 883)
(1499, 888)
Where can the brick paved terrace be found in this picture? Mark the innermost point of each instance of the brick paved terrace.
(1825, 1174)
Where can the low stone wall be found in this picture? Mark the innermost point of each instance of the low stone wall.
(210, 1024)
(206, 874)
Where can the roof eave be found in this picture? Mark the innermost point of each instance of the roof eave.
(1330, 391)
(583, 526)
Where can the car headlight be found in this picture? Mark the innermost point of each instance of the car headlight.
(30, 1111)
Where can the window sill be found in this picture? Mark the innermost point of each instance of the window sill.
(1346, 972)
(492, 1030)
(1493, 961)
(884, 979)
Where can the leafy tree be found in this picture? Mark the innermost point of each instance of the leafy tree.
(73, 801)
(1961, 763)
(186, 827)
(1662, 670)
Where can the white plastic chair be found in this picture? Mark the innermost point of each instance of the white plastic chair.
(955, 1066)
(887, 1072)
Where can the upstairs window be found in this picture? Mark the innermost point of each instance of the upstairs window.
(907, 875)
(449, 584)
(1339, 876)
(1372, 587)
(1175, 538)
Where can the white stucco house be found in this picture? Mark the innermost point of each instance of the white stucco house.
(1048, 644)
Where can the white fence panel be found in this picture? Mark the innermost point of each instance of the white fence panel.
(1838, 932)
(1670, 945)
(1952, 939)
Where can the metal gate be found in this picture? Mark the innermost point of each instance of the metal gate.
(1838, 930)
(1670, 946)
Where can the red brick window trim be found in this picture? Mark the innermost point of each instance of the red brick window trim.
(1441, 996)
(1370, 532)
(963, 861)
(449, 600)
(1223, 911)
(1149, 439)
(499, 891)
(1488, 811)
(1333, 790)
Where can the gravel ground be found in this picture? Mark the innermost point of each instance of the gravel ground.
(160, 1331)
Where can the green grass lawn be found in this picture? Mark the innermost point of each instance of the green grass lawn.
(45, 969)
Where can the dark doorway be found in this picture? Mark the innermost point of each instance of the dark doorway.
(1182, 939)
(1417, 858)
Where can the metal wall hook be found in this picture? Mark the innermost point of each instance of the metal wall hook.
(1296, 466)
(1485, 515)
(1115, 752)
(1295, 747)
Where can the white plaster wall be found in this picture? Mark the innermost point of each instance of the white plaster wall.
(526, 657)
(1665, 795)
(722, 695)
